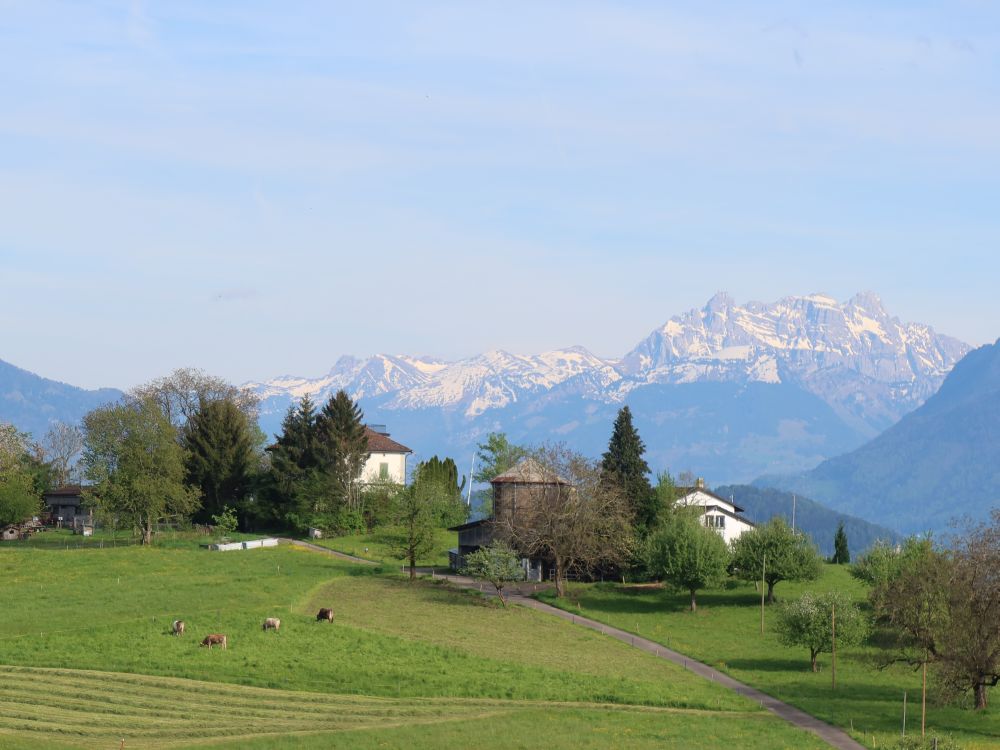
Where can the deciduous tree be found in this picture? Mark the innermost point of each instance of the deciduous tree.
(577, 523)
(776, 551)
(809, 621)
(686, 554)
(496, 563)
(136, 464)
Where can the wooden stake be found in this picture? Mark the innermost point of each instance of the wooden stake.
(904, 713)
(763, 587)
(833, 632)
(923, 700)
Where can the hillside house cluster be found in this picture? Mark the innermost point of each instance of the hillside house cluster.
(526, 483)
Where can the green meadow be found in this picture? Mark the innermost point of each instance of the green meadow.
(373, 546)
(725, 633)
(87, 659)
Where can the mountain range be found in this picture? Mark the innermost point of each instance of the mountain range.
(32, 403)
(831, 400)
(938, 462)
(731, 391)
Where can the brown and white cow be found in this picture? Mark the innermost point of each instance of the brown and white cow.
(177, 627)
(272, 623)
(325, 614)
(214, 639)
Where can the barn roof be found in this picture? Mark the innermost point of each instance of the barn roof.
(528, 471)
(67, 490)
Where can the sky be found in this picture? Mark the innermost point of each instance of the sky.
(255, 189)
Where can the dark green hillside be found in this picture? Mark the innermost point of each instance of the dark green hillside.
(816, 520)
(938, 463)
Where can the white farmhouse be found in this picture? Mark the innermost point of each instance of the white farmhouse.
(720, 514)
(387, 458)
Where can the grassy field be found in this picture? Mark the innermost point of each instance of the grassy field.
(403, 665)
(725, 632)
(373, 547)
(65, 539)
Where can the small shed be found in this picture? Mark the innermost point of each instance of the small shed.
(10, 534)
(65, 502)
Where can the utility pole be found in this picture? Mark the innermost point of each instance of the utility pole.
(793, 512)
(923, 699)
(468, 501)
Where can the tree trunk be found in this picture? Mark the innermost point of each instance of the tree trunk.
(560, 582)
(147, 533)
(694, 604)
(981, 696)
(812, 656)
(770, 592)
(413, 566)
(500, 595)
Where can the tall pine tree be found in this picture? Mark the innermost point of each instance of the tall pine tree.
(294, 460)
(220, 457)
(342, 445)
(841, 554)
(624, 466)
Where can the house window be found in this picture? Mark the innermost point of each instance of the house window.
(383, 471)
(715, 522)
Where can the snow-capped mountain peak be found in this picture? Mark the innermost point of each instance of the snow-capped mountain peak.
(867, 365)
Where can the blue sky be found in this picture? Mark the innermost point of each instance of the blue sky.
(258, 188)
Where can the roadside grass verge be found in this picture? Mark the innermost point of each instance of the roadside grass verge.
(725, 633)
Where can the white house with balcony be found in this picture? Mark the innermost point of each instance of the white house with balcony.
(386, 458)
(719, 513)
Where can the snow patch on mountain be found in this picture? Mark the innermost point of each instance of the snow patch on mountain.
(867, 365)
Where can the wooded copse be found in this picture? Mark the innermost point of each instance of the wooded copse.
(187, 448)
(939, 606)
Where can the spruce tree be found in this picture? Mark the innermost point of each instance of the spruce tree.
(841, 554)
(220, 457)
(624, 466)
(293, 466)
(343, 445)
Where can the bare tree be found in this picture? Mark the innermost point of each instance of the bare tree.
(62, 445)
(576, 521)
(181, 394)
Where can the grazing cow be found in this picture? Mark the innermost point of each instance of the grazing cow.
(178, 627)
(214, 639)
(272, 623)
(325, 614)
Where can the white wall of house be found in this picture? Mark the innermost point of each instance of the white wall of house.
(391, 466)
(729, 524)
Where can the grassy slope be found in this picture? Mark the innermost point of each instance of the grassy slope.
(109, 610)
(373, 547)
(725, 632)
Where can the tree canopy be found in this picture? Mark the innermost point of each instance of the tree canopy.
(774, 552)
(809, 621)
(136, 464)
(624, 466)
(687, 554)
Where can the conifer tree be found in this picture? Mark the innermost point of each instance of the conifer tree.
(624, 466)
(220, 457)
(841, 553)
(342, 445)
(293, 465)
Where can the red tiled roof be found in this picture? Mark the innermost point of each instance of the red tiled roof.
(379, 443)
